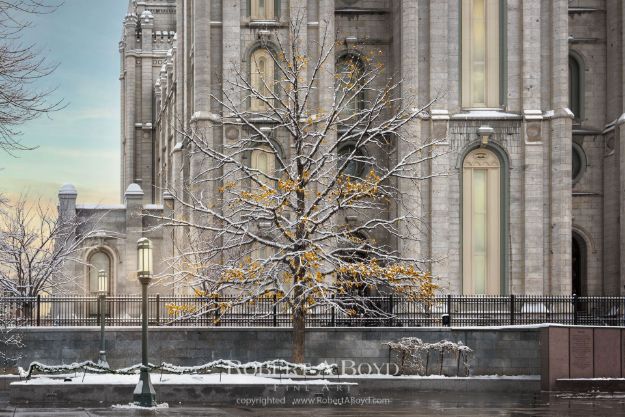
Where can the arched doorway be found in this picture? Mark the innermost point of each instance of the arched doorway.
(578, 267)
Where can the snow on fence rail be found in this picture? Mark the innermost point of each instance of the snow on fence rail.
(279, 366)
(375, 311)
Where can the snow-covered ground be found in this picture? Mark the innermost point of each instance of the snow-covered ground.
(132, 406)
(237, 379)
(473, 377)
(208, 379)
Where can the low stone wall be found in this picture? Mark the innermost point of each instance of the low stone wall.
(574, 356)
(507, 351)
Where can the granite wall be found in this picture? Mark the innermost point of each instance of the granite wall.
(509, 351)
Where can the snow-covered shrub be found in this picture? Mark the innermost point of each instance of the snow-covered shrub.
(413, 356)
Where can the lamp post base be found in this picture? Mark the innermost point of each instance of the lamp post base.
(102, 360)
(144, 394)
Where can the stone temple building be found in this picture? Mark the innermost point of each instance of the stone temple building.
(532, 109)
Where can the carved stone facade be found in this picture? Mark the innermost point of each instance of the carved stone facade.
(562, 175)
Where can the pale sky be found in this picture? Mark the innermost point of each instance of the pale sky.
(79, 144)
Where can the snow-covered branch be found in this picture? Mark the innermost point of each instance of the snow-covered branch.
(35, 246)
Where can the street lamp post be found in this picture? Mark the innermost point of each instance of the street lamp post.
(144, 394)
(102, 300)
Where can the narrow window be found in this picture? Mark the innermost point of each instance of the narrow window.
(578, 163)
(263, 9)
(481, 66)
(99, 261)
(575, 88)
(262, 79)
(481, 223)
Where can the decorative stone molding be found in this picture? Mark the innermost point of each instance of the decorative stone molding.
(561, 113)
(439, 114)
(68, 190)
(203, 116)
(486, 114)
(133, 191)
(532, 114)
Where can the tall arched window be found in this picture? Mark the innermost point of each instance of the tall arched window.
(263, 9)
(264, 161)
(349, 73)
(575, 87)
(99, 261)
(262, 78)
(481, 223)
(481, 42)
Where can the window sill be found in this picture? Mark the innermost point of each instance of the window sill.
(259, 118)
(263, 23)
(486, 114)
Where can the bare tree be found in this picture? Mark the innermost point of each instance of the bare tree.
(21, 66)
(35, 247)
(303, 204)
(10, 338)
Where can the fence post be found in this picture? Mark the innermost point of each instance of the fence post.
(217, 310)
(333, 317)
(158, 309)
(390, 308)
(38, 310)
(275, 310)
(449, 307)
(574, 309)
(512, 308)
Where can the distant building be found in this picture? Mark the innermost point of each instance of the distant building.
(533, 112)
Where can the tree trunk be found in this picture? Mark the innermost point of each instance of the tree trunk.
(299, 333)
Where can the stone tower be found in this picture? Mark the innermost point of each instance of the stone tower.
(149, 29)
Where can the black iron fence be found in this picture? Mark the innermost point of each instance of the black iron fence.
(450, 310)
